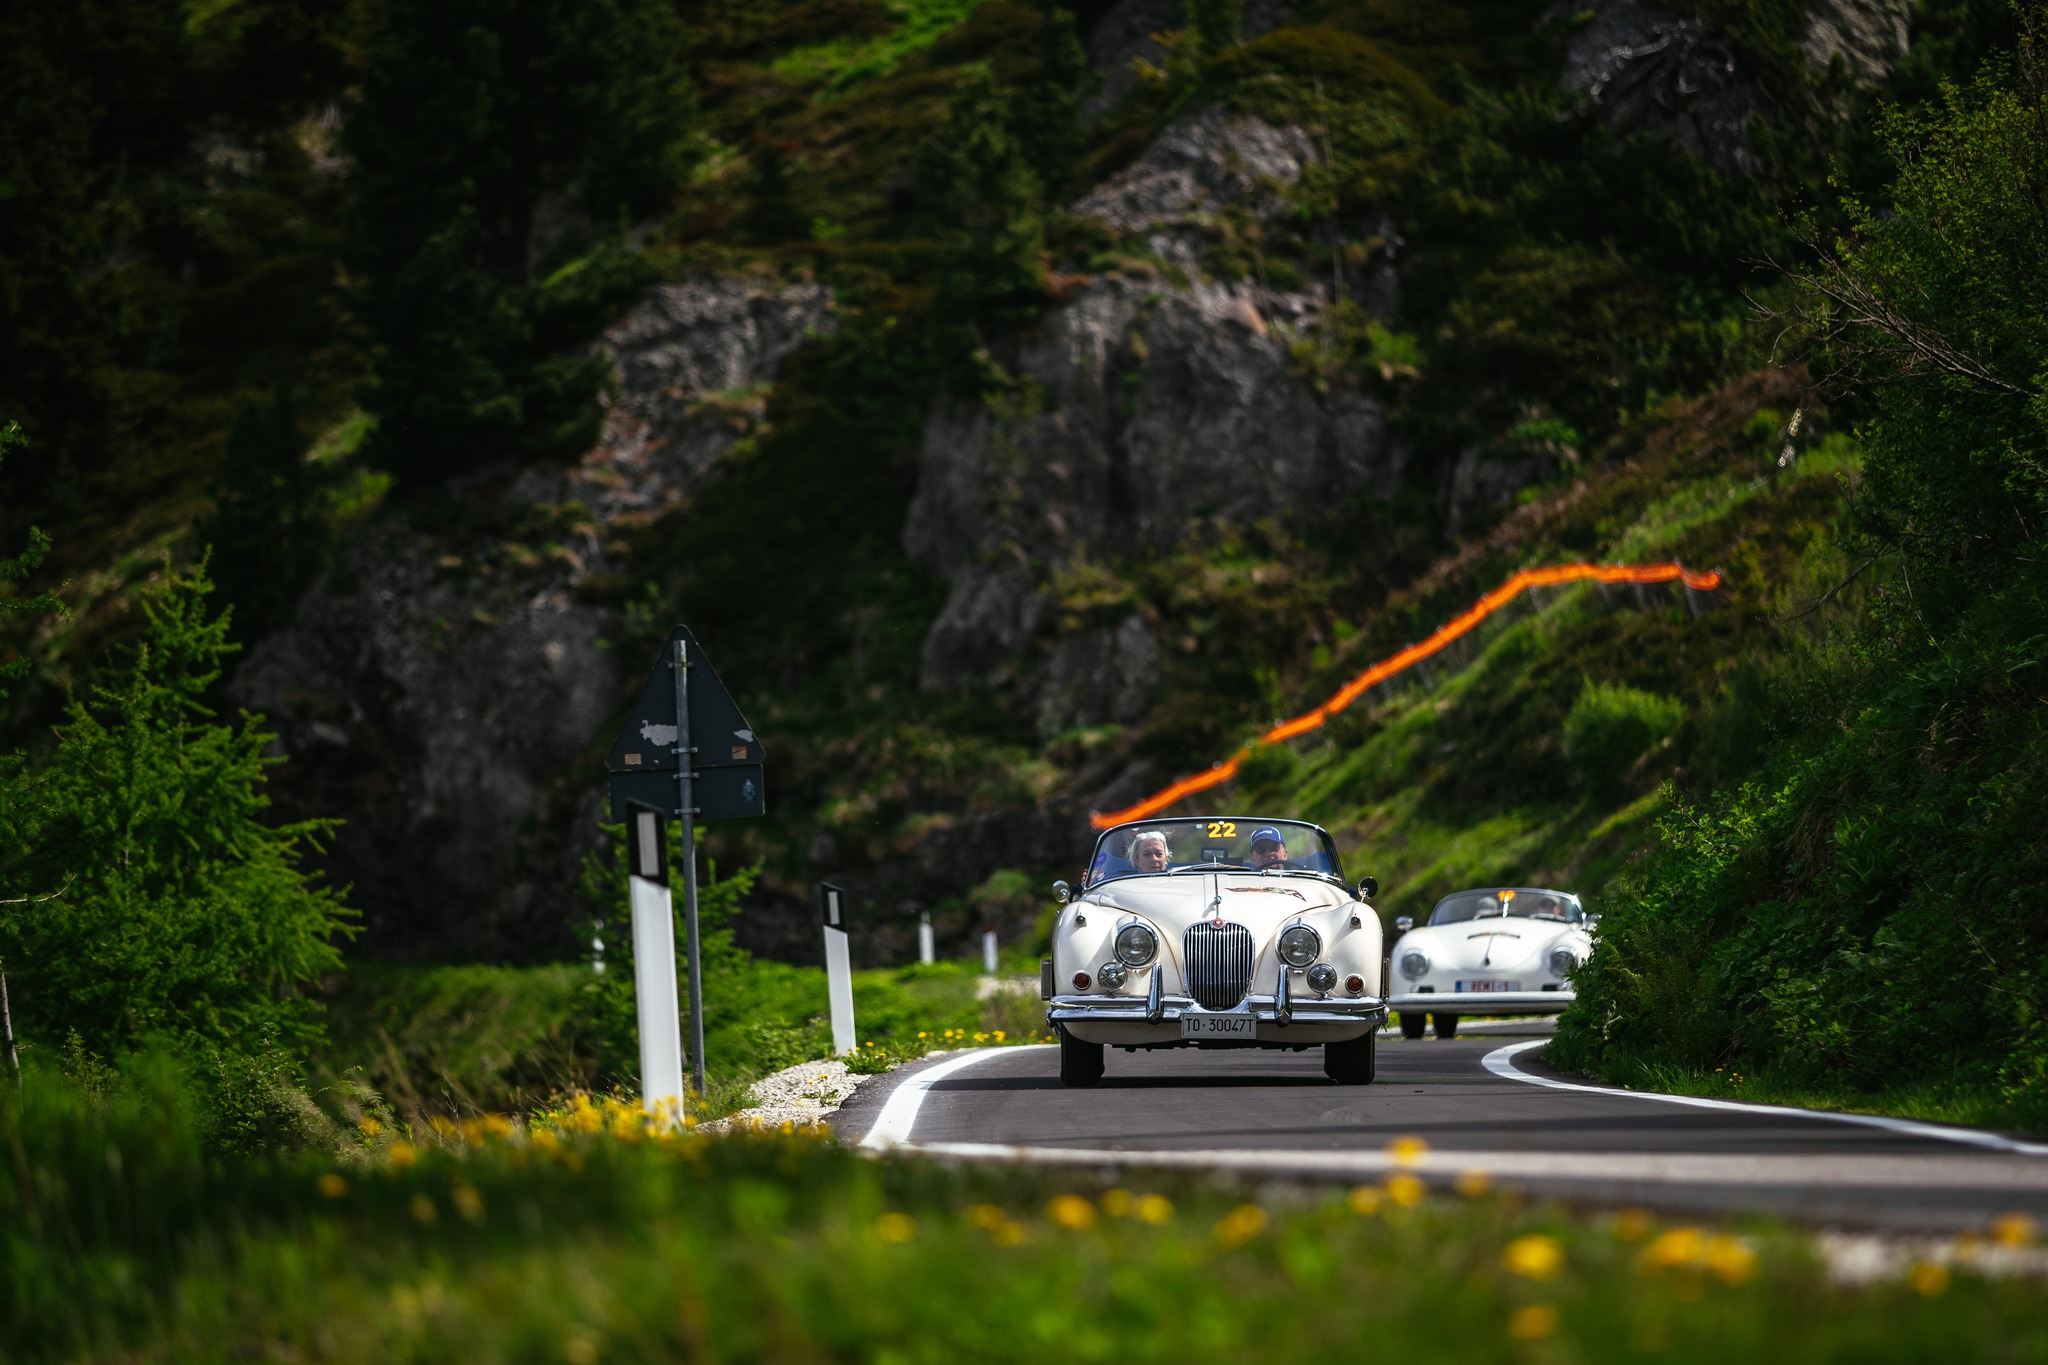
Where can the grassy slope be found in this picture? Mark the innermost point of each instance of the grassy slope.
(582, 1240)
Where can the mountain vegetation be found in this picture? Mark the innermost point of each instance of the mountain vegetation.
(275, 274)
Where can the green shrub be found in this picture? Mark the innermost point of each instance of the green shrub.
(1611, 726)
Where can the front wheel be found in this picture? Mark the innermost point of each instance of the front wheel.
(1080, 1063)
(1352, 1063)
(1413, 1026)
(1446, 1025)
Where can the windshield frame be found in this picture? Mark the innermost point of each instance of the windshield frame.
(1100, 852)
(1514, 893)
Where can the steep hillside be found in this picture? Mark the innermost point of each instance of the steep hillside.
(1023, 406)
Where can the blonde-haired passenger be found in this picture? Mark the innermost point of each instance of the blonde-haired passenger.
(1149, 851)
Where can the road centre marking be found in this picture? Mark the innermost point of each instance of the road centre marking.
(899, 1114)
(1501, 1062)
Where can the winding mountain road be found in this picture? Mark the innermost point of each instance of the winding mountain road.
(1481, 1103)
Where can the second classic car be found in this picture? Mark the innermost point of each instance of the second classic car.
(1499, 950)
(1215, 933)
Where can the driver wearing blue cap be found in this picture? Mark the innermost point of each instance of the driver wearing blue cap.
(1267, 847)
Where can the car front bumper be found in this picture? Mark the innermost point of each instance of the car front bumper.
(1135, 1021)
(1483, 1002)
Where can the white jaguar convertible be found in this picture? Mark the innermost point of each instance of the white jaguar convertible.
(1215, 933)
(1505, 950)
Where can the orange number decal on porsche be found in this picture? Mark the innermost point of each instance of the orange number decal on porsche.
(1223, 829)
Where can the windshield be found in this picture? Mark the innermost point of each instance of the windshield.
(1153, 846)
(1524, 902)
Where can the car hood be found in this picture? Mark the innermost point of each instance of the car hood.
(1492, 945)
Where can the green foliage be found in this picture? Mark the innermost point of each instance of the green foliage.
(126, 1242)
(17, 569)
(269, 531)
(141, 893)
(501, 147)
(977, 183)
(1610, 726)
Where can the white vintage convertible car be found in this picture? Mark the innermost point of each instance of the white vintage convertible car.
(1501, 950)
(1215, 933)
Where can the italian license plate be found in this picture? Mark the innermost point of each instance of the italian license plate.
(1487, 987)
(1240, 1026)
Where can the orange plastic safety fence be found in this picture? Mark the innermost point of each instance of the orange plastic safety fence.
(1407, 658)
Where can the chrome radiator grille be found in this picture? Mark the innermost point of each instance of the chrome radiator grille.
(1219, 963)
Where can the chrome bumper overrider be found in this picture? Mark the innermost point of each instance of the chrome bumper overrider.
(1128, 1009)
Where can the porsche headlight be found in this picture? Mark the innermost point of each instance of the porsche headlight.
(1136, 945)
(1300, 945)
(1414, 965)
(1112, 975)
(1563, 962)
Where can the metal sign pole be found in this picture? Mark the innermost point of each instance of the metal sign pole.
(686, 793)
(838, 968)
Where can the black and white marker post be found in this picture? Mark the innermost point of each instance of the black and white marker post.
(838, 968)
(654, 964)
(685, 752)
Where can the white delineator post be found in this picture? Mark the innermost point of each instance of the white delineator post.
(838, 968)
(925, 950)
(654, 967)
(988, 949)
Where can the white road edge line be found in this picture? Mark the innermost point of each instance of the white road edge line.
(899, 1114)
(1501, 1062)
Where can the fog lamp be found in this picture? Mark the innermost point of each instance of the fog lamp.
(1112, 975)
(1322, 977)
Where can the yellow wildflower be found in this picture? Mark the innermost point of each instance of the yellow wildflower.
(1928, 1278)
(1632, 1225)
(1366, 1200)
(1472, 1184)
(1154, 1208)
(1730, 1260)
(2013, 1230)
(1240, 1225)
(1678, 1247)
(1533, 1322)
(468, 1203)
(1071, 1211)
(1407, 1150)
(1534, 1257)
(370, 1127)
(402, 1154)
(332, 1186)
(895, 1227)
(1405, 1190)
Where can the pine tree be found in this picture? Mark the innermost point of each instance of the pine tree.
(17, 569)
(268, 533)
(142, 896)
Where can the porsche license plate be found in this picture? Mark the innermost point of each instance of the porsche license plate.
(1486, 987)
(1239, 1026)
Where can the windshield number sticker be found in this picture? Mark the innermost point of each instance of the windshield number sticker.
(1223, 829)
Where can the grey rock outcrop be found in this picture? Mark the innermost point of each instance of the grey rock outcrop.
(1867, 36)
(450, 693)
(1656, 72)
(1139, 408)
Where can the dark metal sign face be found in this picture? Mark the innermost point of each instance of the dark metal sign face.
(718, 731)
(728, 780)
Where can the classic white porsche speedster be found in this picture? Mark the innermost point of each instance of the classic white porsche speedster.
(1500, 950)
(1215, 933)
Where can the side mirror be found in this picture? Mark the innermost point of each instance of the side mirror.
(1062, 892)
(1402, 924)
(1368, 887)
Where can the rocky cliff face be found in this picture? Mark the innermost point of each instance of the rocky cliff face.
(445, 685)
(1139, 406)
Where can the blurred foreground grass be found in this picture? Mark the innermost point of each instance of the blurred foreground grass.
(582, 1236)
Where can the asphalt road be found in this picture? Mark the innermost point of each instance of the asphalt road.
(1274, 1113)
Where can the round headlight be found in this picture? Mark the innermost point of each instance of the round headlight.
(1563, 962)
(1112, 975)
(1136, 945)
(1322, 977)
(1300, 945)
(1414, 965)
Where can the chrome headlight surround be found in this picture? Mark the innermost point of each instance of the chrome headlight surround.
(1300, 945)
(1112, 975)
(1563, 962)
(1414, 964)
(1322, 978)
(1136, 944)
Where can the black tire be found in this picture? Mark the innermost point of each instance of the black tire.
(1080, 1063)
(1414, 1025)
(1352, 1063)
(1446, 1025)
